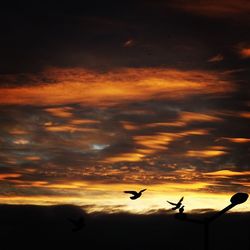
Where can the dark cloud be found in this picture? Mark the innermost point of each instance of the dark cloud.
(82, 34)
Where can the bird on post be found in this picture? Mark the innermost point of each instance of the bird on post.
(176, 205)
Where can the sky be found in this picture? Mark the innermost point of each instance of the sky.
(100, 98)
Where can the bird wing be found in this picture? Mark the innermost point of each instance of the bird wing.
(143, 190)
(174, 204)
(181, 200)
(131, 192)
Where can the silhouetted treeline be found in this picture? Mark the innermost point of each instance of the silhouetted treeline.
(47, 226)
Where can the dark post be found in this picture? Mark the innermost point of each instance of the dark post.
(236, 199)
(206, 236)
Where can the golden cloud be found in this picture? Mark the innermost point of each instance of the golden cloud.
(226, 173)
(116, 87)
(147, 145)
(212, 151)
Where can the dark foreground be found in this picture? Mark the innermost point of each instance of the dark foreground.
(37, 226)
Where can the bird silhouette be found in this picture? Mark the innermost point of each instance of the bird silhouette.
(135, 194)
(78, 224)
(176, 205)
(181, 210)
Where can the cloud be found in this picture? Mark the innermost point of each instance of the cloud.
(245, 52)
(159, 128)
(216, 58)
(114, 88)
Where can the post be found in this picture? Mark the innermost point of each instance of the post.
(224, 210)
(236, 199)
(206, 236)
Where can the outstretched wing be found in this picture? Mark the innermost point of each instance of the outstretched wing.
(131, 192)
(181, 200)
(174, 204)
(143, 190)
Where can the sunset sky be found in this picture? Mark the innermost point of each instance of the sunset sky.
(99, 98)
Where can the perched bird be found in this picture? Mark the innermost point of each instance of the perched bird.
(176, 205)
(79, 223)
(135, 194)
(181, 210)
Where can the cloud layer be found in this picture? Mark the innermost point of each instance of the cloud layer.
(97, 100)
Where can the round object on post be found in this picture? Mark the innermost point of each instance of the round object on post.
(239, 198)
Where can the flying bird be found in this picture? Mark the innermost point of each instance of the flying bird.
(135, 194)
(78, 224)
(176, 205)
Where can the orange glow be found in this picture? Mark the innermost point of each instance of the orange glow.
(184, 119)
(209, 152)
(245, 114)
(64, 112)
(10, 175)
(245, 52)
(129, 125)
(154, 198)
(166, 124)
(84, 121)
(130, 157)
(238, 140)
(150, 144)
(32, 158)
(71, 129)
(191, 116)
(227, 172)
(112, 88)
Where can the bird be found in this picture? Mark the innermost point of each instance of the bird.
(79, 223)
(181, 210)
(176, 205)
(135, 194)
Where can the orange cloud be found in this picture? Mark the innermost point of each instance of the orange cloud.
(188, 117)
(67, 128)
(245, 52)
(112, 88)
(7, 176)
(237, 140)
(33, 158)
(184, 119)
(64, 112)
(245, 114)
(149, 144)
(84, 121)
(207, 153)
(226, 173)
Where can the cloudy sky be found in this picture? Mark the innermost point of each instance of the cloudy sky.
(100, 98)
